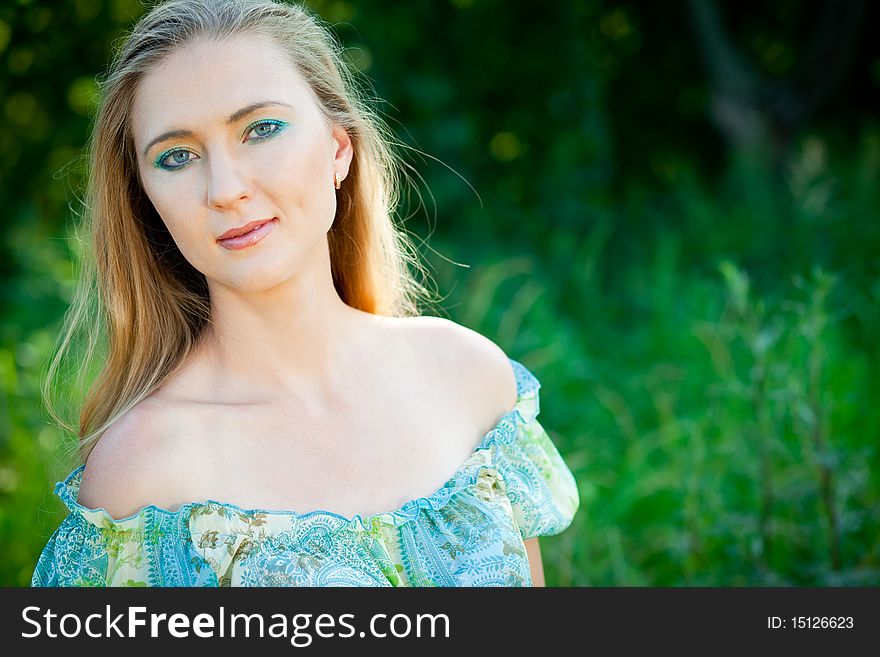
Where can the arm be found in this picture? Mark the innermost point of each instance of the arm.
(533, 549)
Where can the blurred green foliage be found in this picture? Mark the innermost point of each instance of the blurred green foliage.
(704, 319)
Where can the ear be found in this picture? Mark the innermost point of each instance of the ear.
(344, 151)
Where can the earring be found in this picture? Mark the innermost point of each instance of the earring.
(337, 179)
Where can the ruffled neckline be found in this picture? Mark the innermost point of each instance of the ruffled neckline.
(505, 431)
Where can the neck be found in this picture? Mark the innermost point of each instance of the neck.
(297, 340)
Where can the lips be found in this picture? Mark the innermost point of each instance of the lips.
(241, 230)
(250, 237)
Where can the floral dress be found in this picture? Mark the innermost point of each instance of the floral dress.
(470, 532)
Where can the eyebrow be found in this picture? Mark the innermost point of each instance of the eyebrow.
(233, 118)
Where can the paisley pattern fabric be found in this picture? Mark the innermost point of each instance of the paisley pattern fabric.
(470, 532)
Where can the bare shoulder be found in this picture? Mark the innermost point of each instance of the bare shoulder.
(477, 365)
(138, 461)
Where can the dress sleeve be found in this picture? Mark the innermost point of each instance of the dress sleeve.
(541, 488)
(150, 548)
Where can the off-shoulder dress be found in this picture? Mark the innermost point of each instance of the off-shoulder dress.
(470, 532)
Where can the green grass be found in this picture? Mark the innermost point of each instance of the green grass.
(718, 438)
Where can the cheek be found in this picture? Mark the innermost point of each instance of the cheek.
(299, 178)
(178, 209)
(192, 243)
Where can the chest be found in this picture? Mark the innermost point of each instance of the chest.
(361, 458)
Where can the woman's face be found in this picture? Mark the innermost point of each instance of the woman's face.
(228, 133)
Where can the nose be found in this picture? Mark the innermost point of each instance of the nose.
(228, 183)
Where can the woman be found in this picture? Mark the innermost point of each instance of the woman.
(265, 364)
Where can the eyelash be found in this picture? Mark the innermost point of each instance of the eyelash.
(279, 126)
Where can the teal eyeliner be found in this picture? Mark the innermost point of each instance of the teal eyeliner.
(280, 126)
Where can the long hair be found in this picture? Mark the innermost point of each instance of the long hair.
(139, 307)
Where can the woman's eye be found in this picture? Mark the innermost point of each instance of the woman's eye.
(264, 129)
(174, 159)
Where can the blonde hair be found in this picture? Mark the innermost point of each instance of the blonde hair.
(137, 290)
